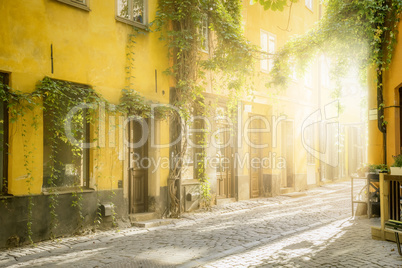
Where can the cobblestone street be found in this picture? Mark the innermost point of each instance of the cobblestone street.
(313, 230)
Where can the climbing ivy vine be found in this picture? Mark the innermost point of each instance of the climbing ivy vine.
(56, 98)
(275, 5)
(220, 56)
(351, 33)
(20, 105)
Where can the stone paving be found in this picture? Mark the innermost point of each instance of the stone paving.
(315, 230)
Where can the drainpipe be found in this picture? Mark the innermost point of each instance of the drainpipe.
(320, 125)
(380, 100)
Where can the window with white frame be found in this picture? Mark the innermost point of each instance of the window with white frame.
(324, 71)
(132, 11)
(309, 4)
(204, 34)
(268, 47)
(308, 77)
(310, 142)
(292, 67)
(83, 4)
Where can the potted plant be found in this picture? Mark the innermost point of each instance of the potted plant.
(381, 168)
(396, 168)
(372, 169)
(363, 171)
(375, 170)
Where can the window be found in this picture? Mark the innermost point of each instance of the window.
(310, 142)
(65, 160)
(324, 71)
(83, 4)
(292, 66)
(308, 77)
(333, 144)
(268, 47)
(309, 4)
(194, 160)
(4, 77)
(132, 12)
(188, 158)
(204, 34)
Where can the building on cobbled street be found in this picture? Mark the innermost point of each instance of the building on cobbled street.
(83, 144)
(384, 136)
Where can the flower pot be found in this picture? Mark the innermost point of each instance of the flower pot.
(396, 171)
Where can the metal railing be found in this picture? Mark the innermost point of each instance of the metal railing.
(390, 204)
(394, 207)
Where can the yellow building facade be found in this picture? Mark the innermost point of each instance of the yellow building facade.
(383, 146)
(122, 168)
(267, 155)
(99, 45)
(293, 105)
(297, 136)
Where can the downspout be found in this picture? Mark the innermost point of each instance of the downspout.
(380, 107)
(380, 74)
(320, 124)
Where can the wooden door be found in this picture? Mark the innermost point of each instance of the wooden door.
(224, 171)
(138, 175)
(400, 121)
(138, 189)
(3, 137)
(255, 153)
(287, 152)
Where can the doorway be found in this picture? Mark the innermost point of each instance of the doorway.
(4, 80)
(287, 153)
(224, 172)
(255, 154)
(138, 166)
(400, 120)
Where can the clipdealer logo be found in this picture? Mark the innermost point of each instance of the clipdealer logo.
(325, 119)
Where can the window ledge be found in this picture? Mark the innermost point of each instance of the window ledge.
(65, 190)
(133, 23)
(190, 182)
(75, 4)
(311, 10)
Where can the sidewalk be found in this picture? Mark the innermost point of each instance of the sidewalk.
(310, 231)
